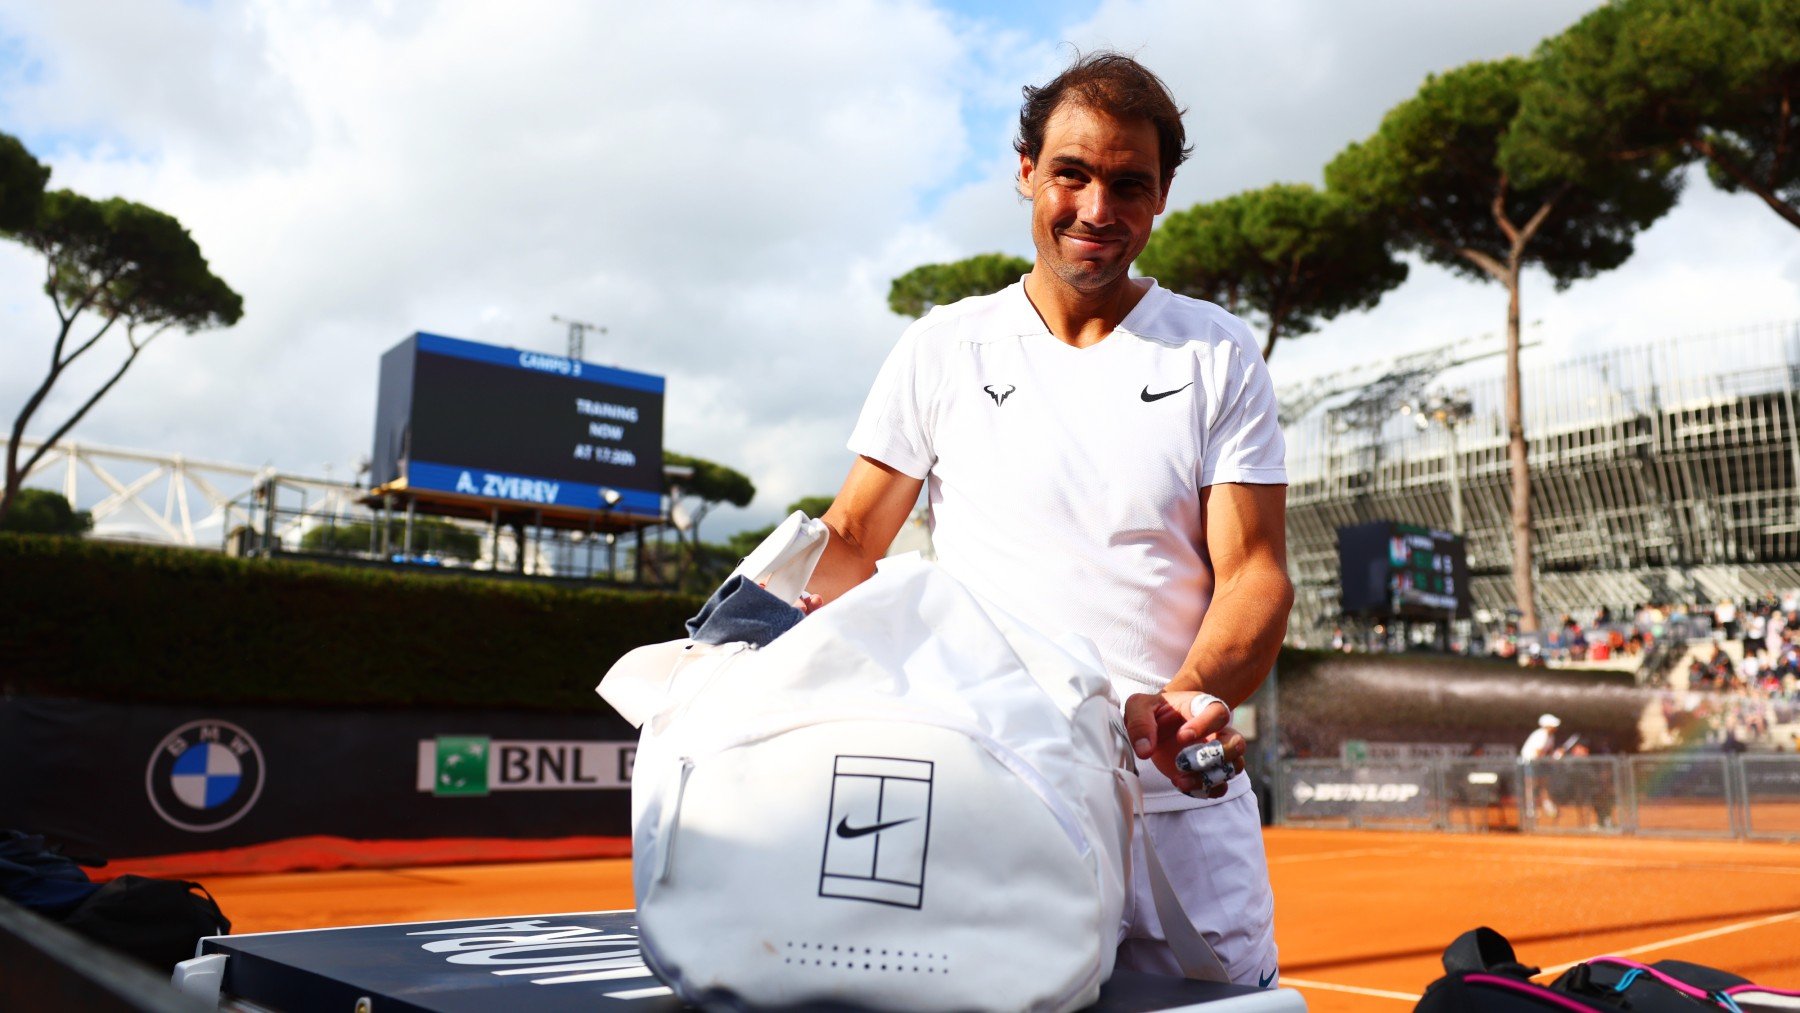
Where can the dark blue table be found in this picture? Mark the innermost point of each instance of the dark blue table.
(587, 961)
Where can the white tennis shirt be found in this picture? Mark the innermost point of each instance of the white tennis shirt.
(1064, 483)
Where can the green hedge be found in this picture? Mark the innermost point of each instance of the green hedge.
(138, 624)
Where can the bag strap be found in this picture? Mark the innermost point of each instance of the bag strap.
(1191, 950)
(223, 924)
(1708, 992)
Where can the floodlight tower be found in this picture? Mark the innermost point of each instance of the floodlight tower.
(1449, 410)
(577, 334)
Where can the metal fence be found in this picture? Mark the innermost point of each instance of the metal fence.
(1671, 794)
(286, 515)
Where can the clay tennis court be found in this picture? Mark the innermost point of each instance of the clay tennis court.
(1361, 916)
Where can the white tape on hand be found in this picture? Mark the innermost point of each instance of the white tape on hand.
(1202, 699)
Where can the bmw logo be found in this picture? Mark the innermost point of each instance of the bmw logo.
(204, 776)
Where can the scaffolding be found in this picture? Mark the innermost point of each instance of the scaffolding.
(167, 499)
(1664, 472)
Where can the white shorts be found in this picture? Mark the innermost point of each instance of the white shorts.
(1214, 857)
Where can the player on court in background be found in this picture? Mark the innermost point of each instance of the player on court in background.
(1541, 745)
(1103, 459)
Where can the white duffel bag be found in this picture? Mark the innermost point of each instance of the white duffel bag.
(909, 801)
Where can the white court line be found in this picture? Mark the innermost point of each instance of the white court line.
(1325, 856)
(1352, 989)
(1723, 930)
(641, 993)
(1607, 863)
(1618, 863)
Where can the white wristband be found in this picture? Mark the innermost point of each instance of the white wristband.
(1202, 699)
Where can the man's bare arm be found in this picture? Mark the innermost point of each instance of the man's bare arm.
(1246, 539)
(1246, 536)
(864, 518)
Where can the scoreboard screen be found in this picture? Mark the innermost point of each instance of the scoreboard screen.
(519, 428)
(1403, 571)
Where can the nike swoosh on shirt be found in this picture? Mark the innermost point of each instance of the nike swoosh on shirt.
(1147, 396)
(845, 830)
(1262, 982)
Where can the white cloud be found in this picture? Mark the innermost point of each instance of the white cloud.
(704, 186)
(727, 187)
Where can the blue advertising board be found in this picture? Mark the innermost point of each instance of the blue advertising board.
(518, 428)
(137, 780)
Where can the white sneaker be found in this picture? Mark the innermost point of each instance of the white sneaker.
(1549, 809)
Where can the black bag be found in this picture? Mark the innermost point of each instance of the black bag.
(1484, 976)
(38, 876)
(156, 920)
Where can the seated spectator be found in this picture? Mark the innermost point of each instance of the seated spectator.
(1725, 617)
(1755, 632)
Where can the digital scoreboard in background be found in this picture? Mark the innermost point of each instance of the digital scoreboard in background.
(1403, 571)
(518, 428)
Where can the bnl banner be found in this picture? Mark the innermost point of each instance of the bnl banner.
(141, 780)
(519, 427)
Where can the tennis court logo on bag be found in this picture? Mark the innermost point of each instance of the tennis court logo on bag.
(204, 776)
(877, 830)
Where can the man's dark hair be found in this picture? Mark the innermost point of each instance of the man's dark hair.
(1117, 85)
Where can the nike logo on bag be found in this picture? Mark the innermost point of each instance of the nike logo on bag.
(845, 830)
(1262, 982)
(1148, 397)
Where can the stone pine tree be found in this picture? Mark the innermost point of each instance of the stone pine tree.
(1439, 173)
(708, 485)
(914, 293)
(1287, 256)
(22, 180)
(42, 512)
(117, 274)
(1637, 80)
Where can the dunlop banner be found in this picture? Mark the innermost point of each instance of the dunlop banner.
(1376, 792)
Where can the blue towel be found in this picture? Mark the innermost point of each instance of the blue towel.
(742, 611)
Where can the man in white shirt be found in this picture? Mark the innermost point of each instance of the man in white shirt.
(1541, 745)
(1103, 459)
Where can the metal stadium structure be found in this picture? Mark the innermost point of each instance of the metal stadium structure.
(1662, 472)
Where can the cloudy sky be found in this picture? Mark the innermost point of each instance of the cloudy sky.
(727, 187)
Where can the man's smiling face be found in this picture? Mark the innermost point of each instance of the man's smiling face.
(1095, 192)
